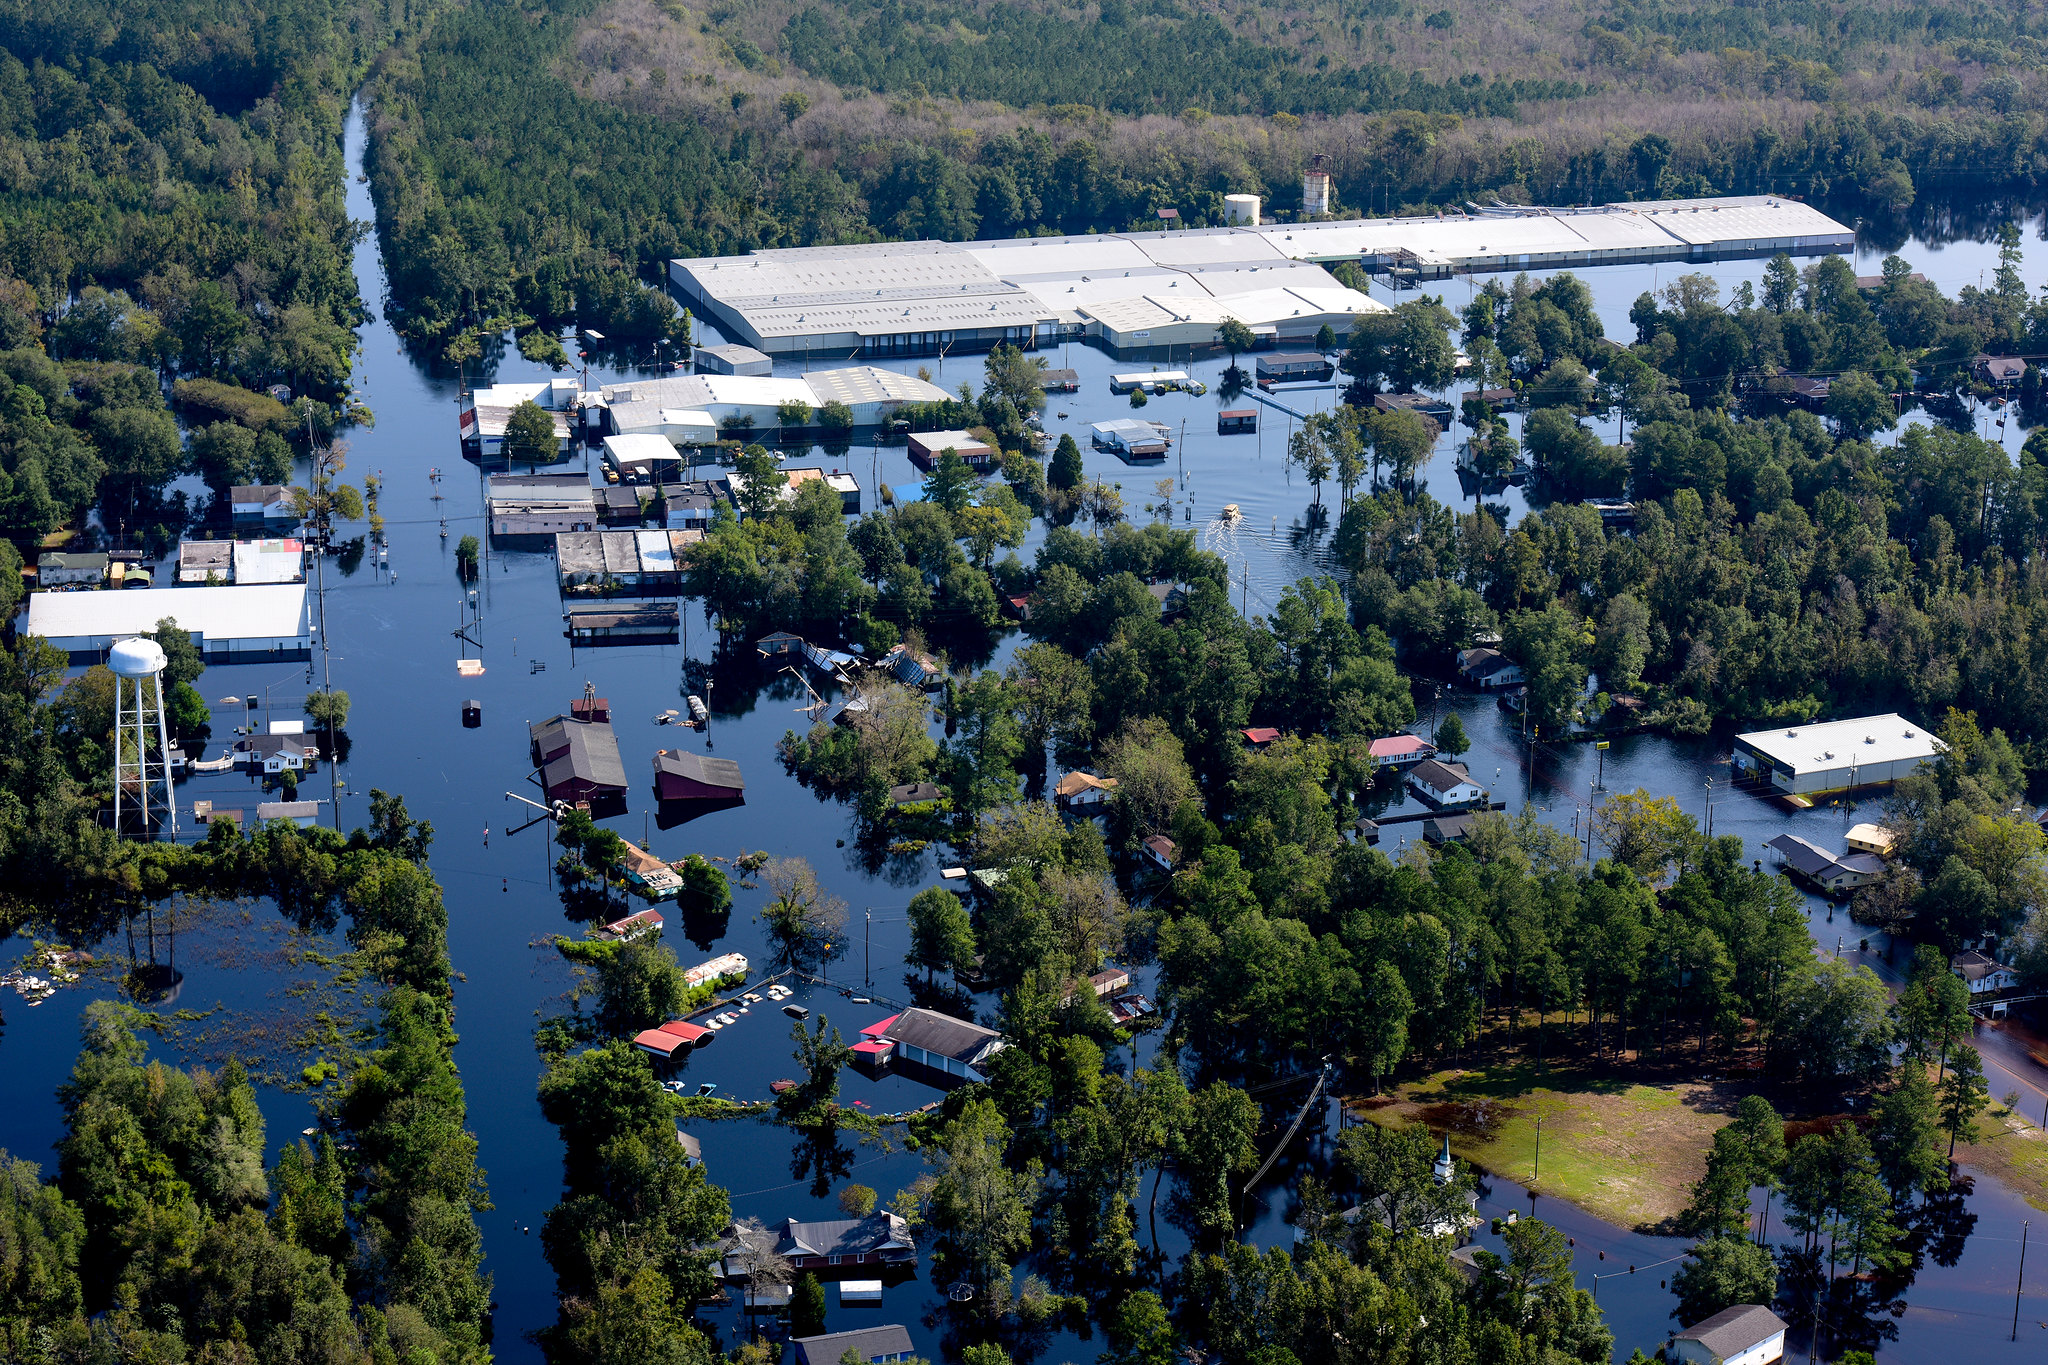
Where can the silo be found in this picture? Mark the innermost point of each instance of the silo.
(1315, 189)
(1241, 210)
(142, 749)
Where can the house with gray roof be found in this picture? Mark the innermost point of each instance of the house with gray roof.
(1747, 1334)
(875, 1345)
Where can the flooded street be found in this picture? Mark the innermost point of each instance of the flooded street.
(394, 636)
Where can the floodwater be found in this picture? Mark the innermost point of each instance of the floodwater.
(394, 635)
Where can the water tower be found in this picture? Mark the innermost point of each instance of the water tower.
(142, 737)
(1315, 189)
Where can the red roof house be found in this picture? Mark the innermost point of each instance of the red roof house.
(1401, 751)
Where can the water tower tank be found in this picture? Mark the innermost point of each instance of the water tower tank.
(1241, 210)
(137, 658)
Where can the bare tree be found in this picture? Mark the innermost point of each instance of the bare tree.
(752, 1245)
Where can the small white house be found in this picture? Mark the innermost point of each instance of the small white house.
(1444, 784)
(58, 569)
(1982, 973)
(1747, 1334)
(278, 753)
(1084, 791)
(265, 502)
(1160, 851)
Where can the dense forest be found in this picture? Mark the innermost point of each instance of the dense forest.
(172, 236)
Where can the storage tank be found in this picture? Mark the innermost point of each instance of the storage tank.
(1315, 189)
(1241, 210)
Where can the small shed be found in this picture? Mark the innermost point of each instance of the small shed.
(1237, 421)
(732, 360)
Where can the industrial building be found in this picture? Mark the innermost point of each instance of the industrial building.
(227, 625)
(540, 504)
(1144, 291)
(697, 408)
(486, 412)
(1805, 760)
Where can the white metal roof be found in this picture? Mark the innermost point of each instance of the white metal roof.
(885, 289)
(638, 447)
(857, 384)
(1889, 738)
(265, 611)
(269, 561)
(657, 555)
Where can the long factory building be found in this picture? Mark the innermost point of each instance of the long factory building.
(1137, 292)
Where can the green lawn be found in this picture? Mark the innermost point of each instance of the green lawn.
(1627, 1152)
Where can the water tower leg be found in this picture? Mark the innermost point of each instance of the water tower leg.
(163, 736)
(119, 690)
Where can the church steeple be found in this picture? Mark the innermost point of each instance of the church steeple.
(1443, 1161)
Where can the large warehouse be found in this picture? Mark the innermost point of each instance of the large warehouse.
(1836, 755)
(228, 625)
(1142, 291)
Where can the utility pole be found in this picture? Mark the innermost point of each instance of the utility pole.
(2021, 1280)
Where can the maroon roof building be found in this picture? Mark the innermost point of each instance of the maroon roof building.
(680, 775)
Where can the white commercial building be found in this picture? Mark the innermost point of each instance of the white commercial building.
(1802, 760)
(1143, 290)
(227, 624)
(693, 407)
(268, 561)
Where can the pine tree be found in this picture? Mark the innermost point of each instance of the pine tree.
(1451, 739)
(806, 1306)
(1963, 1096)
(1066, 464)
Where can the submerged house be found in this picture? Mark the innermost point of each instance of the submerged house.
(1444, 784)
(927, 1038)
(680, 775)
(881, 1238)
(579, 760)
(881, 1345)
(1833, 873)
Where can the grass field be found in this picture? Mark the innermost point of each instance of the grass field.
(1628, 1152)
(2012, 1151)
